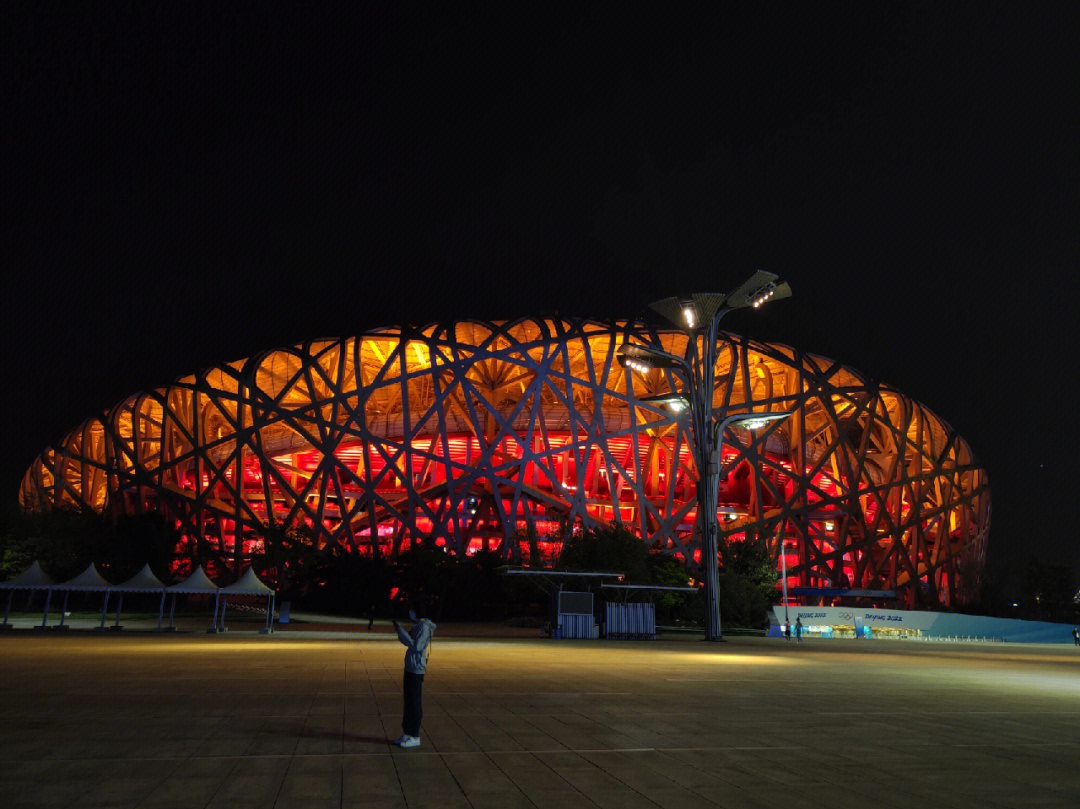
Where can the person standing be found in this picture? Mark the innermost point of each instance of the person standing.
(1076, 636)
(418, 641)
(787, 630)
(798, 630)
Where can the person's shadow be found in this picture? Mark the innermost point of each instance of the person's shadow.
(348, 737)
(351, 738)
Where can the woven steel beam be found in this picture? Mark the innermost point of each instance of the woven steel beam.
(381, 441)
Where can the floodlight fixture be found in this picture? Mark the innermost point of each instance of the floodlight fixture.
(675, 402)
(763, 294)
(689, 315)
(755, 290)
(755, 421)
(637, 365)
(644, 358)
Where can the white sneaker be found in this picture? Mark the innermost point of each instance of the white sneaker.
(401, 739)
(410, 741)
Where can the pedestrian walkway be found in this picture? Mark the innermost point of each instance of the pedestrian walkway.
(295, 720)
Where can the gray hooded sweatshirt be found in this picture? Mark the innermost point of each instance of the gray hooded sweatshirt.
(417, 640)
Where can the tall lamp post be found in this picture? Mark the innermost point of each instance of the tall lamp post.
(783, 565)
(700, 315)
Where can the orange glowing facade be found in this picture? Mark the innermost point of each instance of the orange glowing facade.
(464, 434)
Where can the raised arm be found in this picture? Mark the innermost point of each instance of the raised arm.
(404, 636)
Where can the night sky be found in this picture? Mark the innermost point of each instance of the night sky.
(184, 189)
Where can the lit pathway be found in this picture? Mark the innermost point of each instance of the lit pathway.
(296, 720)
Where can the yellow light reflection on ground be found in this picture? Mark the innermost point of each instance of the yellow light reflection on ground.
(724, 658)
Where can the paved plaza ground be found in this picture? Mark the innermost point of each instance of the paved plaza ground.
(304, 719)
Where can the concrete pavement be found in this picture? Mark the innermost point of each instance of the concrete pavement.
(302, 719)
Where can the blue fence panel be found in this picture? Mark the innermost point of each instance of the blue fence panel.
(630, 621)
(573, 625)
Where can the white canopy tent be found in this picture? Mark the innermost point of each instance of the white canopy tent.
(142, 582)
(89, 581)
(197, 582)
(249, 584)
(33, 578)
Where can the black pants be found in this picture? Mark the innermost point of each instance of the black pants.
(414, 708)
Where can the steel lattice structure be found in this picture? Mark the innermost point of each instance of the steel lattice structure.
(465, 433)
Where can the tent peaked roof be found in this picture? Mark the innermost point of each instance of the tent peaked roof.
(197, 582)
(89, 579)
(248, 584)
(143, 581)
(33, 578)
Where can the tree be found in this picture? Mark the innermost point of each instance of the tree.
(132, 541)
(530, 537)
(347, 582)
(608, 548)
(422, 576)
(18, 543)
(1048, 592)
(747, 583)
(616, 548)
(288, 558)
(674, 607)
(63, 540)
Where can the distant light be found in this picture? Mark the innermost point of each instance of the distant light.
(829, 525)
(688, 315)
(753, 421)
(755, 424)
(677, 405)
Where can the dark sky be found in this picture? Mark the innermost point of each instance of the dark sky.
(187, 188)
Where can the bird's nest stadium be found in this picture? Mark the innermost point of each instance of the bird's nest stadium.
(472, 434)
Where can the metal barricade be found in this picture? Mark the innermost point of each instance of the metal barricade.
(580, 626)
(629, 621)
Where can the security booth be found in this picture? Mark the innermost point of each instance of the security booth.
(576, 618)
